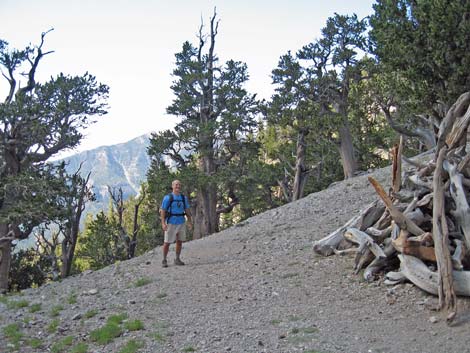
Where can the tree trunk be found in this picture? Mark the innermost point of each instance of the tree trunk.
(68, 251)
(346, 150)
(301, 173)
(5, 258)
(207, 192)
(205, 215)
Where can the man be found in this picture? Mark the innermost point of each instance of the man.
(175, 207)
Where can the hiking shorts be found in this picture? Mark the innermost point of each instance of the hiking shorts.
(175, 232)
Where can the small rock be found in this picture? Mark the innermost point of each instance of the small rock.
(132, 301)
(77, 316)
(433, 319)
(92, 291)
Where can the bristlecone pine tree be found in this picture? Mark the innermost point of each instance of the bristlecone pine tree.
(36, 122)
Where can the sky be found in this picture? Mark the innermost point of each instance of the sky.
(130, 45)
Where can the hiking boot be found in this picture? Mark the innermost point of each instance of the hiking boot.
(178, 262)
(164, 263)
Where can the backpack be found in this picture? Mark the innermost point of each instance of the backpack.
(168, 210)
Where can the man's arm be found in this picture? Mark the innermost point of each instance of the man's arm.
(163, 219)
(163, 213)
(189, 218)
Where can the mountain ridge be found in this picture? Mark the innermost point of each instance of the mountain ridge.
(123, 165)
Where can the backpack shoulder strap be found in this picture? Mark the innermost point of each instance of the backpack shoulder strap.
(185, 201)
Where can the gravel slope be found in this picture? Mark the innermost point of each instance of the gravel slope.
(256, 287)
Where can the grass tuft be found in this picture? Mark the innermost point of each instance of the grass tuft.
(90, 313)
(35, 343)
(35, 308)
(72, 299)
(17, 304)
(80, 348)
(132, 346)
(55, 311)
(62, 345)
(53, 325)
(134, 325)
(106, 334)
(117, 319)
(13, 334)
(142, 282)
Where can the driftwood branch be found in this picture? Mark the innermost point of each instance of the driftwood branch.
(399, 218)
(362, 221)
(440, 234)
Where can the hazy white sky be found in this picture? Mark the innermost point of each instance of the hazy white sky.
(130, 46)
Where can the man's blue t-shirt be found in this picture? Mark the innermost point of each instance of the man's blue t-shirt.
(178, 207)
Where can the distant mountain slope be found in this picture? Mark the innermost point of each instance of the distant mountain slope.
(123, 165)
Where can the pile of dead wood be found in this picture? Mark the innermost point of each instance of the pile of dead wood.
(419, 230)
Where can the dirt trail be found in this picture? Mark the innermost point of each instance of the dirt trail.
(256, 287)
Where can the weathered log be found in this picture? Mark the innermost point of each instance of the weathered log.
(425, 200)
(397, 151)
(384, 221)
(400, 219)
(408, 246)
(413, 163)
(424, 239)
(458, 255)
(462, 211)
(458, 135)
(394, 277)
(361, 238)
(365, 219)
(380, 263)
(419, 182)
(457, 109)
(419, 274)
(363, 258)
(379, 234)
(345, 251)
(440, 234)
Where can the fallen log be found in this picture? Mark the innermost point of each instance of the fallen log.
(381, 263)
(408, 246)
(363, 239)
(365, 219)
(458, 255)
(462, 212)
(400, 219)
(420, 275)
